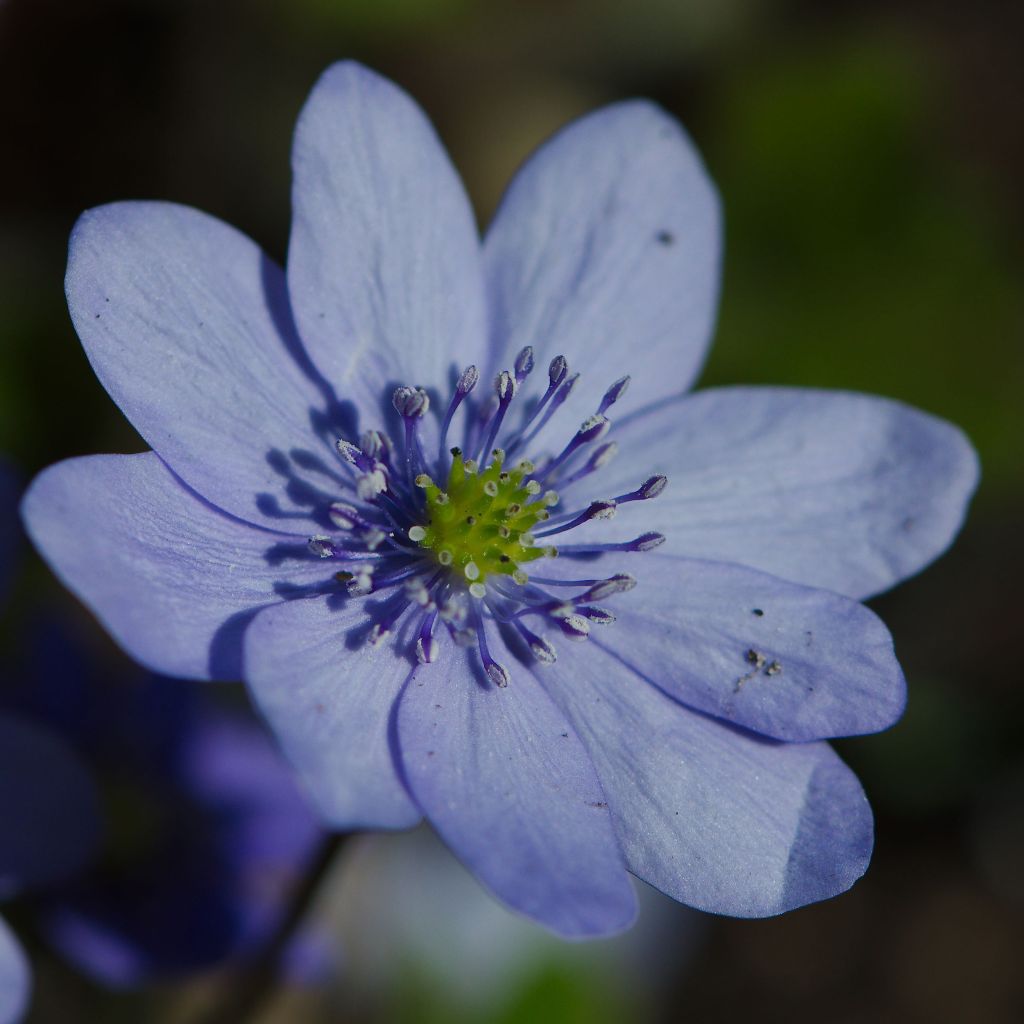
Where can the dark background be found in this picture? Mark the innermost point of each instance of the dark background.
(870, 158)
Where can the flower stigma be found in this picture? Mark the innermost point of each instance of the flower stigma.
(480, 525)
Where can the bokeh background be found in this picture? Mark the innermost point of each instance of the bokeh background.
(870, 156)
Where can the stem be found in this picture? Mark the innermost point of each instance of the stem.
(255, 979)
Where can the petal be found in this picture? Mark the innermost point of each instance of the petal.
(384, 264)
(15, 977)
(713, 816)
(186, 323)
(174, 580)
(847, 492)
(48, 805)
(328, 697)
(507, 784)
(606, 249)
(785, 660)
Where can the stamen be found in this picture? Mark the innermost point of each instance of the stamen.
(466, 382)
(603, 509)
(645, 542)
(524, 364)
(613, 394)
(496, 672)
(560, 388)
(505, 388)
(575, 627)
(426, 645)
(591, 429)
(377, 446)
(601, 457)
(542, 650)
(650, 488)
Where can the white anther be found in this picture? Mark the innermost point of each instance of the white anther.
(615, 585)
(426, 650)
(417, 533)
(524, 364)
(505, 386)
(416, 591)
(600, 616)
(557, 370)
(520, 577)
(550, 498)
(322, 547)
(345, 517)
(348, 451)
(375, 444)
(543, 651)
(497, 674)
(467, 380)
(575, 627)
(533, 487)
(373, 538)
(491, 489)
(604, 454)
(471, 571)
(370, 484)
(410, 402)
(648, 541)
(444, 556)
(593, 428)
(601, 509)
(478, 590)
(361, 584)
(652, 486)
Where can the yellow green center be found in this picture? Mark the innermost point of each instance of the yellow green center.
(480, 524)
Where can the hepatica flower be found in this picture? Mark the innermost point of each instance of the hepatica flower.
(364, 467)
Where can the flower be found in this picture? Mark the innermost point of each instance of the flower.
(48, 805)
(207, 833)
(361, 466)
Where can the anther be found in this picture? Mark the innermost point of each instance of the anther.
(376, 445)
(497, 673)
(646, 541)
(542, 650)
(613, 394)
(467, 380)
(575, 627)
(617, 584)
(417, 533)
(524, 364)
(410, 403)
(650, 488)
(322, 547)
(557, 370)
(345, 516)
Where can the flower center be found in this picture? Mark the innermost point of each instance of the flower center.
(452, 559)
(480, 524)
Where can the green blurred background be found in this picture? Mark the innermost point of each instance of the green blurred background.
(870, 157)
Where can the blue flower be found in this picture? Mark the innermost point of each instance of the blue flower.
(49, 814)
(361, 468)
(206, 833)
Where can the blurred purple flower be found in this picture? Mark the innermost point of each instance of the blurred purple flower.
(206, 835)
(387, 607)
(49, 814)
